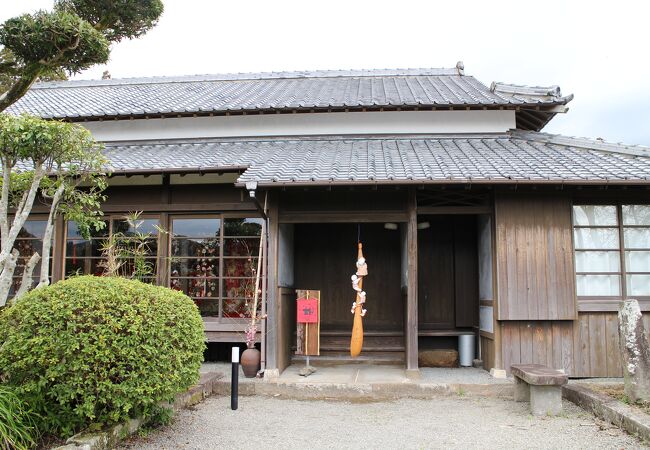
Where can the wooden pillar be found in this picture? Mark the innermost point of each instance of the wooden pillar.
(272, 300)
(411, 326)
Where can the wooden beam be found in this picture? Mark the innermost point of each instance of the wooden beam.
(431, 210)
(342, 216)
(180, 207)
(411, 331)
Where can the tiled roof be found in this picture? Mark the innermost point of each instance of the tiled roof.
(513, 158)
(274, 91)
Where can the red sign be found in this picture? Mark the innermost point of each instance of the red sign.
(307, 310)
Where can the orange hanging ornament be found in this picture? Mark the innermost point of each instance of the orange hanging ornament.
(356, 342)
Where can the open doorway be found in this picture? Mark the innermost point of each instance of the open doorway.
(324, 260)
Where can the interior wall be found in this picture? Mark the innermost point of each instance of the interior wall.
(325, 257)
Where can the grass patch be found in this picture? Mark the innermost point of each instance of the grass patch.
(618, 392)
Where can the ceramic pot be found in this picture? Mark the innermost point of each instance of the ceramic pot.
(250, 362)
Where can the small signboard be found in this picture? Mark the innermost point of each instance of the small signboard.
(307, 310)
(308, 322)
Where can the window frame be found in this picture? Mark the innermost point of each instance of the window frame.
(221, 277)
(110, 218)
(621, 250)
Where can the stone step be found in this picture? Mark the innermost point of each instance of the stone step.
(343, 357)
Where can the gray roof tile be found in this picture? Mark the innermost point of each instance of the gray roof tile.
(281, 90)
(515, 157)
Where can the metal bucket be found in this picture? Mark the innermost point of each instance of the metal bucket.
(466, 349)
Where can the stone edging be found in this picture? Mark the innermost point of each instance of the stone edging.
(110, 437)
(610, 410)
(365, 391)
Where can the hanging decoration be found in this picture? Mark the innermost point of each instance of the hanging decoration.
(358, 309)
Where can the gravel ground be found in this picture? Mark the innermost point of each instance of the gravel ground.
(445, 422)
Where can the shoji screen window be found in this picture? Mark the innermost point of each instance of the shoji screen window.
(636, 241)
(612, 250)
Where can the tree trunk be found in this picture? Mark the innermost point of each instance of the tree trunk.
(4, 203)
(635, 350)
(22, 213)
(26, 282)
(6, 276)
(47, 238)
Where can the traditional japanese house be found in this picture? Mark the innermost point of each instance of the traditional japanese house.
(473, 220)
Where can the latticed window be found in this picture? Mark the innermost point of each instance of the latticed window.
(612, 250)
(214, 261)
(213, 258)
(89, 256)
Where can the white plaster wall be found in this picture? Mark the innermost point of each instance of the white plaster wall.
(486, 321)
(350, 123)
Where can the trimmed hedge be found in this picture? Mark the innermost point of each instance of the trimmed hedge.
(98, 350)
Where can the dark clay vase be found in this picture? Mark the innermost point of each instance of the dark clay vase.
(250, 362)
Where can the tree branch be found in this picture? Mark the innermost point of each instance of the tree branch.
(33, 71)
(19, 88)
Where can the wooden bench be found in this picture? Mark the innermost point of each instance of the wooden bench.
(541, 386)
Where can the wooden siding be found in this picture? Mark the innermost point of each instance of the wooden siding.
(586, 347)
(448, 272)
(535, 257)
(487, 352)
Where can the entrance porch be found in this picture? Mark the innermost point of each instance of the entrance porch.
(423, 285)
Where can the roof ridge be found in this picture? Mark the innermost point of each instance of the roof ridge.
(583, 142)
(336, 73)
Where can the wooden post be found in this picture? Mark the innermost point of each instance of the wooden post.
(411, 327)
(271, 337)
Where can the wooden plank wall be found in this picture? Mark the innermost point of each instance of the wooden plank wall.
(487, 352)
(534, 247)
(586, 347)
(538, 318)
(448, 272)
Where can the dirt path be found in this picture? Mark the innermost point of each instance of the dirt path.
(446, 422)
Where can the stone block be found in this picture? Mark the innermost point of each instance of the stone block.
(635, 351)
(545, 400)
(498, 373)
(438, 358)
(522, 391)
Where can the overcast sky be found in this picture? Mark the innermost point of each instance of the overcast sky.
(595, 50)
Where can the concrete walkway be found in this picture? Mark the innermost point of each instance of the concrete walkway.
(370, 373)
(367, 382)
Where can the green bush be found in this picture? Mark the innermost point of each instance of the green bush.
(17, 429)
(97, 350)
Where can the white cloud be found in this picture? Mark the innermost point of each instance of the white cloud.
(595, 50)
